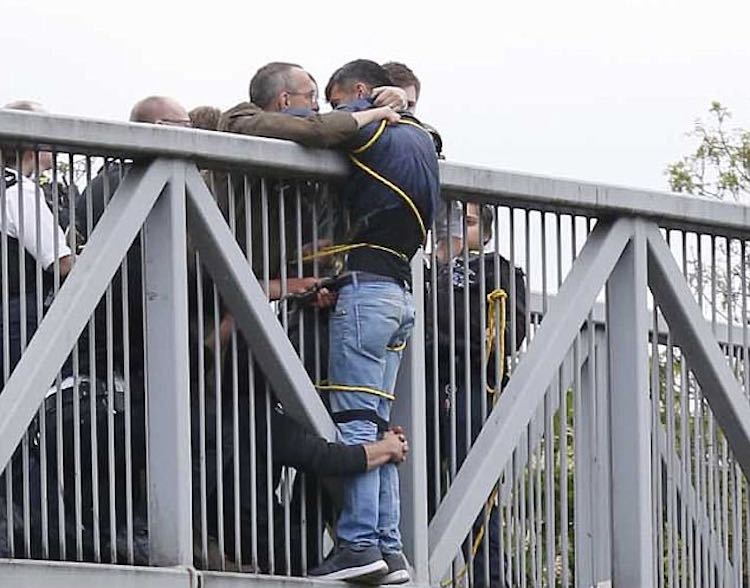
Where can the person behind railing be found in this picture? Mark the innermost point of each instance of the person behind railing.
(454, 273)
(284, 105)
(25, 209)
(391, 192)
(31, 238)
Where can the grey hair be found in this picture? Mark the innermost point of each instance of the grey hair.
(269, 81)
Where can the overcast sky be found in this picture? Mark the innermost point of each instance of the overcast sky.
(600, 90)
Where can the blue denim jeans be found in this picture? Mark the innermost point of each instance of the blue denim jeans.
(368, 331)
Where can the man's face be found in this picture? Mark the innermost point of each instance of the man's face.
(342, 95)
(474, 240)
(302, 93)
(411, 98)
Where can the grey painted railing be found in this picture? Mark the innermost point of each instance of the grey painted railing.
(656, 443)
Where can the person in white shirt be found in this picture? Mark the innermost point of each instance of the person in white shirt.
(31, 240)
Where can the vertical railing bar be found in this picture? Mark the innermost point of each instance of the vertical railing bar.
(300, 273)
(436, 392)
(128, 412)
(316, 272)
(219, 413)
(521, 498)
(655, 459)
(286, 478)
(77, 473)
(466, 320)
(714, 521)
(737, 525)
(111, 476)
(452, 354)
(512, 294)
(563, 420)
(303, 522)
(670, 452)
(533, 465)
(8, 473)
(487, 511)
(25, 497)
(724, 448)
(685, 481)
(539, 493)
(203, 498)
(549, 470)
(579, 439)
(248, 194)
(435, 388)
(92, 395)
(219, 420)
(42, 416)
(144, 356)
(235, 398)
(268, 396)
(516, 490)
(698, 442)
(58, 397)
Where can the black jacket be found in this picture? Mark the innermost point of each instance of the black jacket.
(454, 276)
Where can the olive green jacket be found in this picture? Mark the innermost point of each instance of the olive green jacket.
(317, 130)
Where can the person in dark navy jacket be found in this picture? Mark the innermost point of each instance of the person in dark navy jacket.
(391, 192)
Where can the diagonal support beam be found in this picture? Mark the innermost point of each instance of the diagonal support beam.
(695, 337)
(518, 403)
(247, 302)
(77, 299)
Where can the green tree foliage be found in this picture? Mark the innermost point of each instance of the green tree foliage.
(719, 167)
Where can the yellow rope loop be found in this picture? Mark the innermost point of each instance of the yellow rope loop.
(498, 295)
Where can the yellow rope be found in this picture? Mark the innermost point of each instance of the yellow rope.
(491, 332)
(498, 295)
(397, 190)
(365, 389)
(343, 248)
(372, 139)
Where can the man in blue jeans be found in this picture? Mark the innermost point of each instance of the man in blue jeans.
(391, 193)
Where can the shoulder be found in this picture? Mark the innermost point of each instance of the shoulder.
(241, 110)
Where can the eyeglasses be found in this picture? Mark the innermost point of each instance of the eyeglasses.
(186, 123)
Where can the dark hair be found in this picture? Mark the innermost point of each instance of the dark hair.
(361, 70)
(205, 117)
(269, 80)
(402, 76)
(487, 217)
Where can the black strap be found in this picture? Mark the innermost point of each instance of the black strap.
(347, 416)
(10, 178)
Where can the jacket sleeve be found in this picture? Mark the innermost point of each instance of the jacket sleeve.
(317, 130)
(294, 446)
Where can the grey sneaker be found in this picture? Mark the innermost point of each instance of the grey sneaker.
(346, 563)
(398, 571)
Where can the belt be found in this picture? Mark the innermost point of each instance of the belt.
(368, 277)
